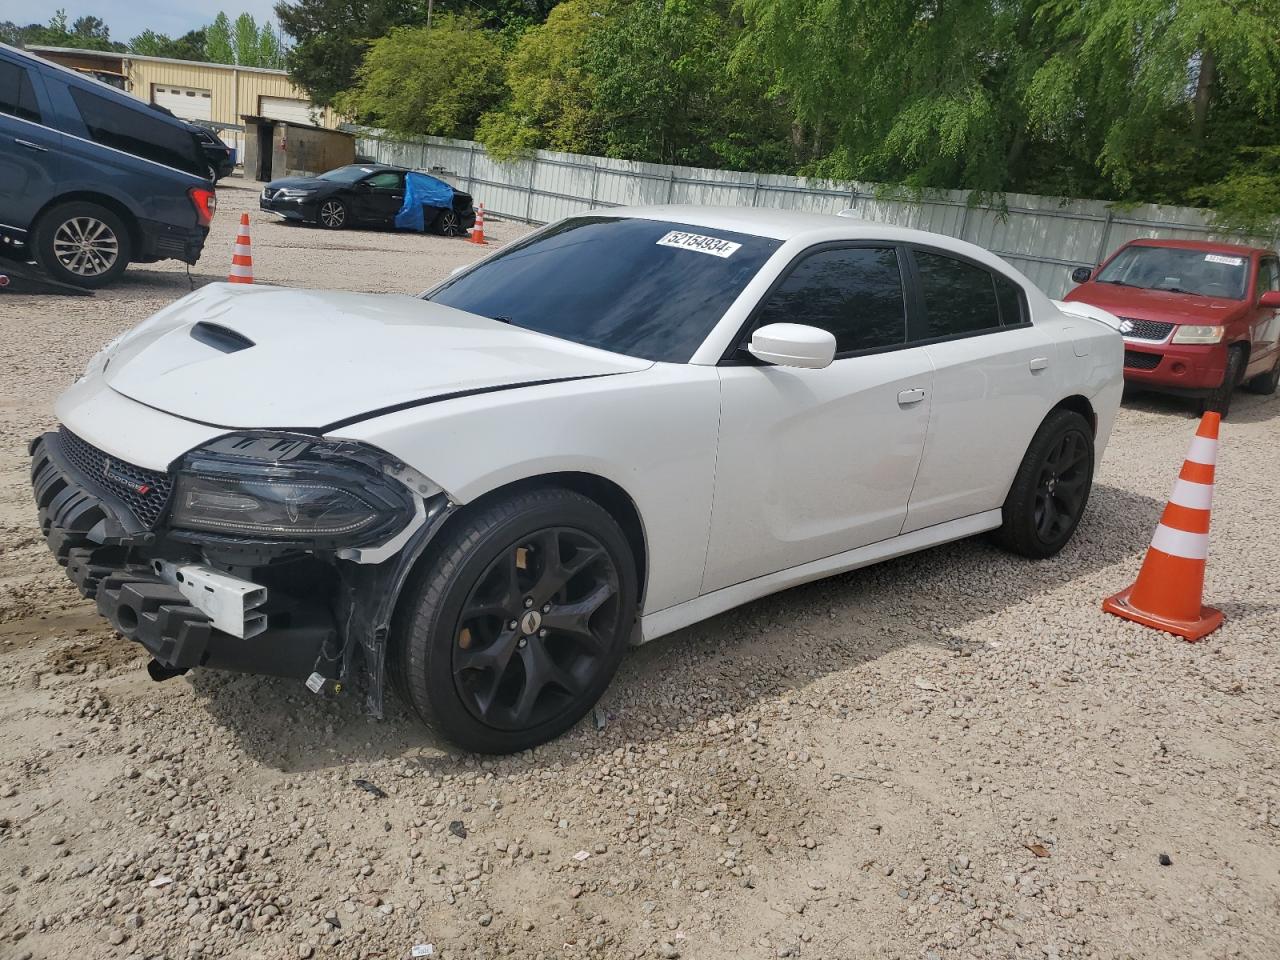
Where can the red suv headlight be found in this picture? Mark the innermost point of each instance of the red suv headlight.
(205, 202)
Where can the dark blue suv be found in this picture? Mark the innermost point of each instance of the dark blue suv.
(91, 179)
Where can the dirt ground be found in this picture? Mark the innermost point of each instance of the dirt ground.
(951, 755)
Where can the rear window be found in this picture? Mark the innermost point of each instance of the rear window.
(17, 98)
(1208, 273)
(644, 288)
(959, 297)
(139, 132)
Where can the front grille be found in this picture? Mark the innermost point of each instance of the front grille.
(1153, 330)
(145, 492)
(1141, 361)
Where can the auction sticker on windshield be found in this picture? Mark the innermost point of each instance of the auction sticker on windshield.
(698, 243)
(1229, 261)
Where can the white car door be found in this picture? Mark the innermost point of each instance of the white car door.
(815, 462)
(993, 384)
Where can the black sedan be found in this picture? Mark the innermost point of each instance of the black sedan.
(221, 158)
(361, 194)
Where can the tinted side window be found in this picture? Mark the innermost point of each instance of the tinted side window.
(1012, 304)
(854, 292)
(137, 132)
(17, 98)
(958, 297)
(386, 181)
(1268, 276)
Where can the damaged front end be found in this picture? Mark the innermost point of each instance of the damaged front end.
(263, 552)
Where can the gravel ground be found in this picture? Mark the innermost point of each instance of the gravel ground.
(951, 755)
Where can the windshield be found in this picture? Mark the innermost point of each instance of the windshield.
(644, 288)
(1179, 270)
(348, 174)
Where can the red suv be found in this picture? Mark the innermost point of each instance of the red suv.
(1198, 319)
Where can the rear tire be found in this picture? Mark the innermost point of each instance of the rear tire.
(82, 244)
(448, 224)
(556, 565)
(1265, 383)
(1051, 488)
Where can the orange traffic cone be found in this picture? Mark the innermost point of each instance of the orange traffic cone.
(1170, 585)
(241, 255)
(477, 232)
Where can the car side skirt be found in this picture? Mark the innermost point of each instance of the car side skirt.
(662, 622)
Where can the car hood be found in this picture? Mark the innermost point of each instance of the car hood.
(1160, 305)
(271, 357)
(310, 183)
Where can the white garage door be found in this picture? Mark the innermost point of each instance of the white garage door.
(190, 103)
(285, 108)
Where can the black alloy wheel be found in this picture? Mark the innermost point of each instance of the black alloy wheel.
(535, 627)
(1062, 485)
(518, 620)
(448, 224)
(1051, 488)
(332, 214)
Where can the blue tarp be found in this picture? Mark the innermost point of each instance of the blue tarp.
(421, 191)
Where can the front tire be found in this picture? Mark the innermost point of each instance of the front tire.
(1051, 488)
(519, 622)
(1220, 399)
(332, 214)
(82, 244)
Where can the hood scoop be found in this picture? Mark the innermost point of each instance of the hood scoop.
(219, 337)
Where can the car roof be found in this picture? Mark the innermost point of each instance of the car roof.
(1208, 246)
(94, 85)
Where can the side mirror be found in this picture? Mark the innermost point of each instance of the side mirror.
(1270, 300)
(1081, 274)
(793, 345)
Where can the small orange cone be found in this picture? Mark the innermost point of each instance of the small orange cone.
(477, 232)
(1170, 586)
(242, 255)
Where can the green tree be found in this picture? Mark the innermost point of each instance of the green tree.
(86, 33)
(330, 38)
(219, 45)
(189, 46)
(666, 91)
(436, 81)
(551, 88)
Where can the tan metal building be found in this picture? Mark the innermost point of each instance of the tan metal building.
(217, 94)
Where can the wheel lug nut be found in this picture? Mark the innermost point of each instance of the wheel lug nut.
(524, 642)
(512, 625)
(528, 601)
(546, 608)
(542, 632)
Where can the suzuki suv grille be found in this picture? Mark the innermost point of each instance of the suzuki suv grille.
(1152, 330)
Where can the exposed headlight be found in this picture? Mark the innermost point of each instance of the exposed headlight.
(295, 192)
(1195, 333)
(290, 489)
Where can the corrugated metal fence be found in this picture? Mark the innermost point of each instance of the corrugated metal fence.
(1044, 237)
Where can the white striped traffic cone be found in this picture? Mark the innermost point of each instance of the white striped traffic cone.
(477, 232)
(242, 255)
(1170, 586)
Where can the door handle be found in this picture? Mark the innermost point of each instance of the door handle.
(30, 146)
(1039, 363)
(907, 397)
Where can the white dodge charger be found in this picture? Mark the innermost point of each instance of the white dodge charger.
(608, 430)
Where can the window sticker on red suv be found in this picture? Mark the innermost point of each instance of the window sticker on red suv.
(1219, 258)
